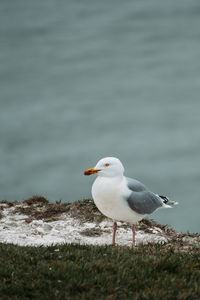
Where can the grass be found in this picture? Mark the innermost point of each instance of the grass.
(99, 272)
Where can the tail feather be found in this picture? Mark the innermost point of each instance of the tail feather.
(167, 201)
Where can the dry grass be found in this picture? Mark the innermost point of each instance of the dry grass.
(39, 208)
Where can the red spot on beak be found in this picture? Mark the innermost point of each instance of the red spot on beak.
(91, 171)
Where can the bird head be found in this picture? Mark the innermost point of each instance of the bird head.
(107, 167)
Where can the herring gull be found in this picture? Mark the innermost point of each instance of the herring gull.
(121, 198)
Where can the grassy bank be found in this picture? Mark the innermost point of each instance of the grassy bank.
(99, 272)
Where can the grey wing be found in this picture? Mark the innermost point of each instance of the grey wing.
(141, 199)
(144, 202)
(135, 185)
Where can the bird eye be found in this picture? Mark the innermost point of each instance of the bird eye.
(106, 165)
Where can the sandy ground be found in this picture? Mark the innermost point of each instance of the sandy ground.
(36, 222)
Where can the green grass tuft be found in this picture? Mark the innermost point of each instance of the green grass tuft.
(99, 272)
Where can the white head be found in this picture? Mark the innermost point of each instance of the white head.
(107, 167)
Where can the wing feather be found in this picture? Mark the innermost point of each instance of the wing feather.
(141, 199)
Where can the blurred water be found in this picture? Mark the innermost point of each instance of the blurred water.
(81, 80)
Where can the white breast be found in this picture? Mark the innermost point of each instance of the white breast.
(109, 195)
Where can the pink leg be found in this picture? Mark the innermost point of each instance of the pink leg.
(114, 232)
(133, 230)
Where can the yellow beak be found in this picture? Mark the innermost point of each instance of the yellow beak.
(91, 171)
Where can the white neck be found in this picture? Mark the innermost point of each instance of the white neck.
(116, 179)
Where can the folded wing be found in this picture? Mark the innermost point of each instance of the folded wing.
(141, 200)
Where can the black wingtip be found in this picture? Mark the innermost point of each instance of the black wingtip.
(165, 199)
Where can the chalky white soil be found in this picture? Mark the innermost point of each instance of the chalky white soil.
(22, 230)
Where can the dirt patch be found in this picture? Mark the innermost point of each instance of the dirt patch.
(85, 211)
(147, 224)
(92, 232)
(39, 208)
(36, 200)
(7, 203)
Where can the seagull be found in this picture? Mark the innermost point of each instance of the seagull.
(121, 198)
